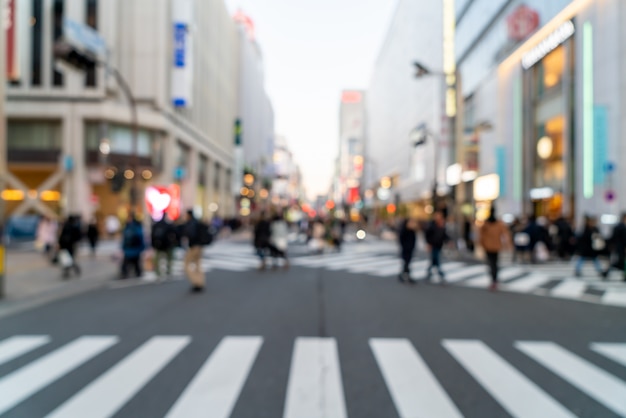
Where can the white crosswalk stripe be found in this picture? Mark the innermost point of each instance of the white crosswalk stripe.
(595, 382)
(414, 389)
(30, 379)
(14, 347)
(217, 385)
(107, 394)
(514, 391)
(314, 386)
(614, 351)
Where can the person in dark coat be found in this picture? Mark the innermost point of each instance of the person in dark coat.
(587, 246)
(92, 235)
(436, 237)
(68, 239)
(618, 247)
(164, 238)
(566, 239)
(133, 245)
(262, 235)
(406, 238)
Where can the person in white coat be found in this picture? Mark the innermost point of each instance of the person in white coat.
(47, 232)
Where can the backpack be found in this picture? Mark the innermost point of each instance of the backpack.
(132, 237)
(204, 234)
(160, 236)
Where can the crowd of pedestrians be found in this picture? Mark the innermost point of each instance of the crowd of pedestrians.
(534, 240)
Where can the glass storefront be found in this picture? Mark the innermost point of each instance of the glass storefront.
(549, 148)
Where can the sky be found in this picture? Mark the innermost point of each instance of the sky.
(312, 50)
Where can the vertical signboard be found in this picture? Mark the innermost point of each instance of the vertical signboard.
(182, 60)
(10, 27)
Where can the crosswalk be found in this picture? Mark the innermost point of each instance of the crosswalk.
(315, 386)
(555, 281)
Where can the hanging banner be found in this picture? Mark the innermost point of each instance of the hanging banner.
(12, 50)
(182, 71)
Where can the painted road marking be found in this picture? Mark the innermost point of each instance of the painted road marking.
(13, 347)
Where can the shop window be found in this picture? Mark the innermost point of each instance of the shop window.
(549, 73)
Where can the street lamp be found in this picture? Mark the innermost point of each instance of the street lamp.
(419, 136)
(81, 61)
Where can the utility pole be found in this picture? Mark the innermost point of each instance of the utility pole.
(3, 152)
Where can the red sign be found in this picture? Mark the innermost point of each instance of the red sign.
(13, 70)
(162, 200)
(353, 195)
(522, 22)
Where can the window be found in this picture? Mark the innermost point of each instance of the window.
(91, 18)
(57, 33)
(36, 21)
(33, 136)
(216, 176)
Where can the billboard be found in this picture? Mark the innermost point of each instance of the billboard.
(162, 200)
(182, 60)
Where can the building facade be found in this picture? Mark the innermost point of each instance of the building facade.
(256, 113)
(541, 91)
(70, 136)
(398, 102)
(351, 156)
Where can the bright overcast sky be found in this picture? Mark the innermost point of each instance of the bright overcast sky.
(312, 50)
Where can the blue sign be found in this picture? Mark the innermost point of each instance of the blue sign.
(609, 167)
(180, 42)
(179, 173)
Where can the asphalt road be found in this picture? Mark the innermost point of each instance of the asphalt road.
(378, 349)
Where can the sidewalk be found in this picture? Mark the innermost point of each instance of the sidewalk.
(31, 280)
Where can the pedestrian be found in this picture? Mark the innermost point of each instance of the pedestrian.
(436, 237)
(68, 239)
(47, 231)
(279, 240)
(565, 239)
(521, 240)
(262, 234)
(467, 234)
(112, 225)
(92, 235)
(133, 245)
(588, 243)
(193, 256)
(618, 247)
(163, 239)
(406, 239)
(494, 236)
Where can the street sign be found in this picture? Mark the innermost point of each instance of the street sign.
(609, 196)
(609, 167)
(84, 38)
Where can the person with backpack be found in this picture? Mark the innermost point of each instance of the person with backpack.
(163, 237)
(193, 231)
(70, 236)
(133, 245)
(262, 234)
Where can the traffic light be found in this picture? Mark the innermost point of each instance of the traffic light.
(117, 182)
